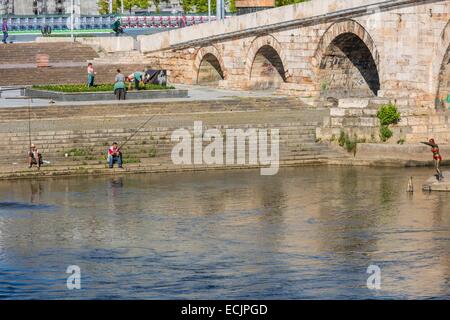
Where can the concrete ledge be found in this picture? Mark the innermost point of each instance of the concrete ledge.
(410, 152)
(106, 44)
(432, 184)
(105, 96)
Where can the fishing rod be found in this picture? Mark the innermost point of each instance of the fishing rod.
(30, 100)
(137, 130)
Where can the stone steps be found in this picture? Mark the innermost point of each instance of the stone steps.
(25, 53)
(58, 75)
(54, 135)
(130, 57)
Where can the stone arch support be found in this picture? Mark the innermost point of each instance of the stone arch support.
(440, 68)
(256, 45)
(339, 28)
(205, 52)
(346, 62)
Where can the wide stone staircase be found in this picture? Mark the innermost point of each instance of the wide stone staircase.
(75, 139)
(23, 53)
(123, 57)
(67, 64)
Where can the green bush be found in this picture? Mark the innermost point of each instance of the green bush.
(349, 143)
(388, 114)
(152, 153)
(97, 88)
(342, 138)
(385, 133)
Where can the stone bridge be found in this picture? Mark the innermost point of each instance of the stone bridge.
(396, 49)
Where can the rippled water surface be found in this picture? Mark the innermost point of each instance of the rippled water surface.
(305, 233)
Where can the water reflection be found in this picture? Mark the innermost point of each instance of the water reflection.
(305, 233)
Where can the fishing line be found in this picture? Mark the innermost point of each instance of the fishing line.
(137, 130)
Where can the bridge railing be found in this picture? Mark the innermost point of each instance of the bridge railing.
(62, 22)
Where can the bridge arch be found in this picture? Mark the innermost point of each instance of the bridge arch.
(266, 62)
(208, 66)
(347, 62)
(440, 70)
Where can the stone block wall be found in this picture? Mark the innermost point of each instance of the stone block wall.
(397, 53)
(358, 118)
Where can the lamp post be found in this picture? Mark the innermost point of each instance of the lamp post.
(220, 9)
(209, 10)
(72, 11)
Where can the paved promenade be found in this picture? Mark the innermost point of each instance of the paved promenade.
(196, 93)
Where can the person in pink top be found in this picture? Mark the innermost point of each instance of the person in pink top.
(114, 154)
(34, 157)
(91, 75)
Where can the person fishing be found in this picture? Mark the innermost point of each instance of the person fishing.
(34, 157)
(436, 157)
(114, 155)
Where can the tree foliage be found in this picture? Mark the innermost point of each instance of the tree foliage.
(201, 6)
(127, 4)
(280, 3)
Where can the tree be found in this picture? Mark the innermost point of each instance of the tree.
(130, 4)
(127, 4)
(280, 3)
(198, 6)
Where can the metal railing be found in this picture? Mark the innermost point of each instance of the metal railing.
(62, 22)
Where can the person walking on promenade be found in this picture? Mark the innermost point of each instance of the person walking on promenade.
(114, 155)
(91, 75)
(34, 157)
(436, 157)
(5, 30)
(119, 86)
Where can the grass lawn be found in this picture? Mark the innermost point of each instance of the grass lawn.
(97, 88)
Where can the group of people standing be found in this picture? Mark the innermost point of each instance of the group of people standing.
(120, 81)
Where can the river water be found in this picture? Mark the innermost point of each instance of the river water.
(305, 233)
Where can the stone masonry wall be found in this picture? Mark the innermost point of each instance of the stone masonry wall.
(406, 45)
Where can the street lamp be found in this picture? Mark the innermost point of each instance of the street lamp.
(72, 12)
(220, 9)
(209, 10)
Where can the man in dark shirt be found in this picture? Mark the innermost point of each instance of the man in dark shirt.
(5, 30)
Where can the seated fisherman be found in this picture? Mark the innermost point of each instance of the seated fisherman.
(114, 155)
(34, 157)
